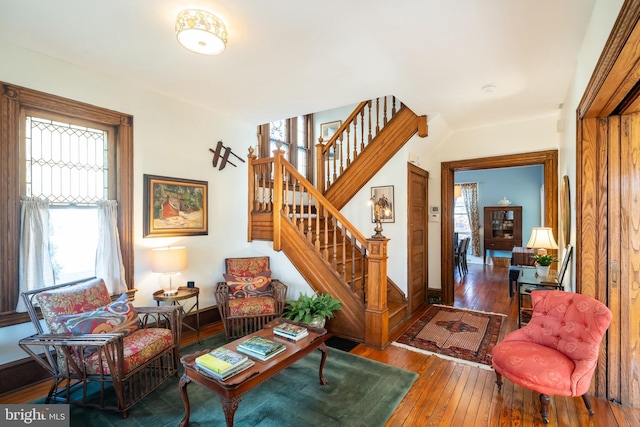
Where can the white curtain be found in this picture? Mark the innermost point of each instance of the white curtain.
(36, 270)
(109, 266)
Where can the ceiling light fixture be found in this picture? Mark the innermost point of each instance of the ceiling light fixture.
(201, 32)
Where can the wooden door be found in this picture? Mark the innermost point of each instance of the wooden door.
(417, 197)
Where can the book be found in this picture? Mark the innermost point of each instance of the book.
(221, 360)
(288, 329)
(243, 366)
(260, 345)
(290, 337)
(262, 357)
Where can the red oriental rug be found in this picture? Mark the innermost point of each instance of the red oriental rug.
(459, 334)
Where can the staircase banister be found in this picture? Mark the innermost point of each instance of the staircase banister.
(343, 127)
(326, 204)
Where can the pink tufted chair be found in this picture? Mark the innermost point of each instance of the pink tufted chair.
(557, 351)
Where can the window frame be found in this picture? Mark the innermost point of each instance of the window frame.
(15, 99)
(264, 143)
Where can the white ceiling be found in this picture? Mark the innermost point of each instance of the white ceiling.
(289, 57)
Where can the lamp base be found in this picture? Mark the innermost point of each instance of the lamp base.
(170, 292)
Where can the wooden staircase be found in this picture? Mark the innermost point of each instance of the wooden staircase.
(329, 252)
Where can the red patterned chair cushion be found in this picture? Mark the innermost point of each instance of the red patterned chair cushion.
(119, 316)
(88, 296)
(247, 267)
(241, 307)
(139, 347)
(249, 287)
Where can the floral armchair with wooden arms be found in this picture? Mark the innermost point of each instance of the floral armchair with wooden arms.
(249, 298)
(101, 353)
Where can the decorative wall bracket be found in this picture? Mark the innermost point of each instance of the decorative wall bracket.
(218, 154)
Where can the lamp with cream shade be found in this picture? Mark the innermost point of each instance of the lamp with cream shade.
(170, 261)
(542, 239)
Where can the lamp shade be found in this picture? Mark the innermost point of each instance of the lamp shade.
(201, 32)
(542, 238)
(169, 260)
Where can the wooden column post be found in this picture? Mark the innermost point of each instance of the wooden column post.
(377, 312)
(278, 191)
(251, 183)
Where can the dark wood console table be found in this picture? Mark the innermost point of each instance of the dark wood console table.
(231, 390)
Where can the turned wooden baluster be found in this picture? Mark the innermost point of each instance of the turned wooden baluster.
(385, 111)
(369, 114)
(361, 130)
(377, 116)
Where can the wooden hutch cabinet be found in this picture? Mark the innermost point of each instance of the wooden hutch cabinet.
(502, 228)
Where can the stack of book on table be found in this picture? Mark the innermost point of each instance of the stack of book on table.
(222, 363)
(261, 348)
(292, 332)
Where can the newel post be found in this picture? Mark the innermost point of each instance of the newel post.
(377, 312)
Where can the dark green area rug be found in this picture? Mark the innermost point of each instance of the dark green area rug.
(360, 392)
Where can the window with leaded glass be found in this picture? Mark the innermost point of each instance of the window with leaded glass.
(68, 164)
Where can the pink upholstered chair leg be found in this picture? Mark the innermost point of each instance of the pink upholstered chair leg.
(499, 381)
(587, 403)
(544, 408)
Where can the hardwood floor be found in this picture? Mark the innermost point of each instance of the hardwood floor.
(453, 394)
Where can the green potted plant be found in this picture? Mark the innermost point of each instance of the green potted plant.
(313, 310)
(543, 262)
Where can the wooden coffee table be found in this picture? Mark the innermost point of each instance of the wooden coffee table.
(231, 390)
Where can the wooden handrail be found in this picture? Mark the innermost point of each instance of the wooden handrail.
(349, 141)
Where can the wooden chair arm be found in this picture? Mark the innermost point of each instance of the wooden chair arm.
(156, 316)
(74, 348)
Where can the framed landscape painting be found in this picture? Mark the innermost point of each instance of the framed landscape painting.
(174, 207)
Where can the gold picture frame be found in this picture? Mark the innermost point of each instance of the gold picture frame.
(565, 209)
(174, 207)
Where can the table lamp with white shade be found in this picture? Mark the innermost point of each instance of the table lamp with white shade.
(541, 240)
(169, 261)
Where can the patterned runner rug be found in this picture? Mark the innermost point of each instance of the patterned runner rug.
(459, 334)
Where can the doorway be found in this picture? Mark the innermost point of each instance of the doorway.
(549, 161)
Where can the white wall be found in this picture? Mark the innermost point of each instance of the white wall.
(170, 139)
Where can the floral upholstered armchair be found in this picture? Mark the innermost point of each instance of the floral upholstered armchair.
(101, 353)
(248, 298)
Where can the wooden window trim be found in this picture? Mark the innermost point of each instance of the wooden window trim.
(14, 99)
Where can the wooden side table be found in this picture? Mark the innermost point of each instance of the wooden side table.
(184, 293)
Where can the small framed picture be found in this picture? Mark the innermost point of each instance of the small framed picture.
(174, 207)
(382, 201)
(327, 130)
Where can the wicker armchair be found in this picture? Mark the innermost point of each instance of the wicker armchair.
(101, 353)
(249, 298)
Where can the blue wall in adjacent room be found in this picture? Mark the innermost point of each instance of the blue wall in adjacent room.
(521, 185)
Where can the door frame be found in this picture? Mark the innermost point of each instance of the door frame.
(548, 159)
(612, 92)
